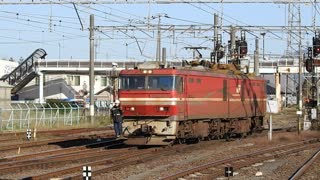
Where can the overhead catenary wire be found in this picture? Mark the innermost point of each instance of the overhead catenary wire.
(133, 21)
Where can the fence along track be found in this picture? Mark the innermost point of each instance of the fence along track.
(293, 147)
(32, 115)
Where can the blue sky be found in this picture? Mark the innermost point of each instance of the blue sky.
(56, 28)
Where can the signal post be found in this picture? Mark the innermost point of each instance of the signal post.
(312, 98)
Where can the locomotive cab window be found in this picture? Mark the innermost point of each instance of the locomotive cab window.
(163, 83)
(132, 82)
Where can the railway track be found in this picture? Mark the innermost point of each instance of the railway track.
(302, 169)
(61, 132)
(215, 169)
(63, 141)
(107, 165)
(103, 159)
(55, 158)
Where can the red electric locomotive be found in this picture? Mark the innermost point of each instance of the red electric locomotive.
(166, 105)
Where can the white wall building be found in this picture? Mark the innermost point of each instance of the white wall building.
(59, 86)
(62, 86)
(7, 66)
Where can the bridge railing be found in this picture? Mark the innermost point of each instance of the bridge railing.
(81, 64)
(277, 63)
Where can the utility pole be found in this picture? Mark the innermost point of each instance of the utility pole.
(91, 28)
(232, 41)
(256, 58)
(263, 34)
(215, 36)
(158, 53)
(300, 72)
(164, 56)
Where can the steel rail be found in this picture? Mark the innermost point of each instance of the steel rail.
(55, 152)
(40, 143)
(252, 160)
(55, 161)
(228, 160)
(301, 170)
(56, 132)
(110, 161)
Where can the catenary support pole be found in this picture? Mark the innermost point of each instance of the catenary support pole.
(270, 128)
(256, 58)
(215, 36)
(92, 68)
(278, 91)
(164, 56)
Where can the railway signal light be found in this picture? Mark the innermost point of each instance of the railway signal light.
(311, 103)
(219, 52)
(309, 65)
(242, 47)
(316, 45)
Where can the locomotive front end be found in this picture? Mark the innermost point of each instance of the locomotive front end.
(150, 102)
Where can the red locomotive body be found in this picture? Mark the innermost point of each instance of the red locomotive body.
(165, 105)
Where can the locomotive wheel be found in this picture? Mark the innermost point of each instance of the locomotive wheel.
(227, 136)
(243, 135)
(217, 137)
(181, 141)
(199, 139)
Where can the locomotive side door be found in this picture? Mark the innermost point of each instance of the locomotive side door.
(184, 98)
(226, 92)
(185, 92)
(181, 90)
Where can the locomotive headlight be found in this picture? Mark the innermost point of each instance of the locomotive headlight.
(149, 71)
(144, 71)
(161, 108)
(132, 109)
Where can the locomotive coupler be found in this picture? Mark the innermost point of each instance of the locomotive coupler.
(146, 129)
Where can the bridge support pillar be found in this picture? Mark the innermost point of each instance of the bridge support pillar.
(278, 91)
(40, 76)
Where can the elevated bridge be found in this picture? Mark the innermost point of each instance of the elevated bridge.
(36, 66)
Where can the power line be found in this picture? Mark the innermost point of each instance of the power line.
(30, 2)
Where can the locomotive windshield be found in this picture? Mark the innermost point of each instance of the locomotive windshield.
(160, 83)
(163, 83)
(132, 82)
